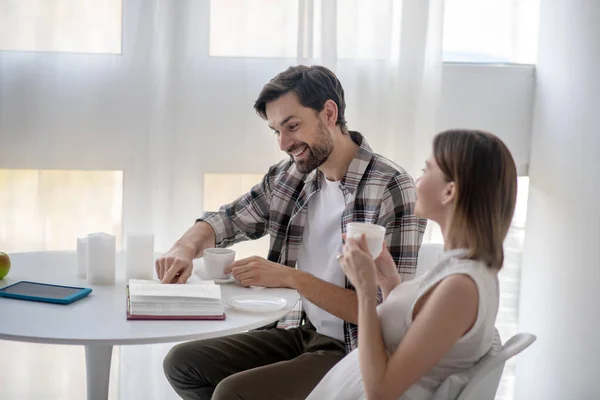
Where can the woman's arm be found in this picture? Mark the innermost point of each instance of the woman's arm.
(448, 313)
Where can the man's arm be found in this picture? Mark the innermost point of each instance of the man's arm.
(343, 303)
(257, 271)
(243, 219)
(175, 266)
(199, 237)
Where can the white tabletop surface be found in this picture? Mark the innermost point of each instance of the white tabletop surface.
(99, 318)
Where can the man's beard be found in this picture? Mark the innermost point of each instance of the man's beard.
(317, 154)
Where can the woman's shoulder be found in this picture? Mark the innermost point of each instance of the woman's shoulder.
(454, 264)
(458, 261)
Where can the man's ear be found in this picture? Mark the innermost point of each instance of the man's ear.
(330, 113)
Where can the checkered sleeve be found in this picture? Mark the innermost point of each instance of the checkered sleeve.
(404, 230)
(246, 218)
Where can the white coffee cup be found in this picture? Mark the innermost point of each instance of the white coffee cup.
(373, 233)
(216, 260)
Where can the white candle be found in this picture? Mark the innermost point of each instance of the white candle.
(139, 256)
(81, 257)
(101, 259)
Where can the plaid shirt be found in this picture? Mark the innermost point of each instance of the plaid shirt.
(375, 191)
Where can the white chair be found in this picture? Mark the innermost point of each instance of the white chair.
(429, 255)
(486, 377)
(481, 382)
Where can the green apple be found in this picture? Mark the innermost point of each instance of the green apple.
(4, 264)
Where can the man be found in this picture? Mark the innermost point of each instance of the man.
(332, 177)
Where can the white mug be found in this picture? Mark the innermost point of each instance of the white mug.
(374, 234)
(216, 260)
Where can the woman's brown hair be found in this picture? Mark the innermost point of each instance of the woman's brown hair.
(484, 172)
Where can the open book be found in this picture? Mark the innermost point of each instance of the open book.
(155, 300)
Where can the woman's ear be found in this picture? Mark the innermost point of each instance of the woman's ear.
(449, 193)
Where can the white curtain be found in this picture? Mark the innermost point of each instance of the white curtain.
(176, 104)
(387, 55)
(165, 111)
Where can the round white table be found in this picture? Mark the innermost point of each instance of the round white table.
(98, 321)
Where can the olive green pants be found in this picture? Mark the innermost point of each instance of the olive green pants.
(262, 364)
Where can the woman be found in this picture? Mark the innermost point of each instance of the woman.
(441, 323)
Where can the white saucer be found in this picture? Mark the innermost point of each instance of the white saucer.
(225, 280)
(257, 303)
(199, 271)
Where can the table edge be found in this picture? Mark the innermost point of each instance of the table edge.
(137, 341)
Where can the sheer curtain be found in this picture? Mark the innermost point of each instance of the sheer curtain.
(388, 58)
(147, 139)
(170, 108)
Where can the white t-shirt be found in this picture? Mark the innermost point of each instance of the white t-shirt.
(321, 242)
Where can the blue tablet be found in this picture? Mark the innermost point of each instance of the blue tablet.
(44, 292)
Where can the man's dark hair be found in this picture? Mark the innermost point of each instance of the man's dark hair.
(312, 85)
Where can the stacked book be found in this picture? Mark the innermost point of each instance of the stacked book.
(155, 300)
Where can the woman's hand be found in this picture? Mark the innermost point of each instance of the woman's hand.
(386, 272)
(358, 265)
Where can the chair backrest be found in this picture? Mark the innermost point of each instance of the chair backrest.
(429, 255)
(486, 377)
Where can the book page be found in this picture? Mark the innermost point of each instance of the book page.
(156, 281)
(151, 288)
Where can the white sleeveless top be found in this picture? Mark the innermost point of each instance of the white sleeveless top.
(344, 380)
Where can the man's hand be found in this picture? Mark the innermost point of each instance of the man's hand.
(175, 266)
(257, 271)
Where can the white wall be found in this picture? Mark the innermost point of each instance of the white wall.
(560, 296)
(491, 97)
